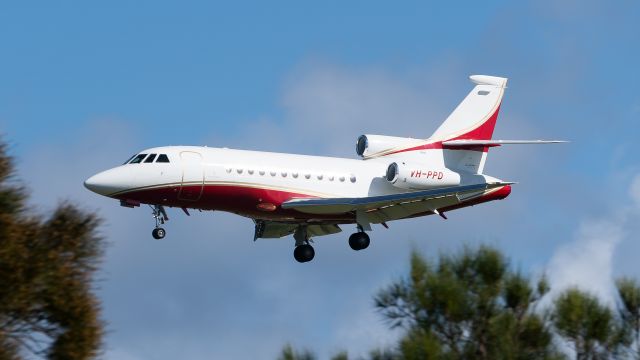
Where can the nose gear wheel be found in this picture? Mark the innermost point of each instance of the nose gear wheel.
(160, 215)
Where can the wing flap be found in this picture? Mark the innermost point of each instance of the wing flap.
(323, 229)
(274, 229)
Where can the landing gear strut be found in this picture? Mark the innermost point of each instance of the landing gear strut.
(304, 251)
(359, 240)
(160, 216)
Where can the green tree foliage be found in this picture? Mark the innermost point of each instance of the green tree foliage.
(590, 327)
(474, 306)
(467, 306)
(629, 292)
(382, 354)
(342, 355)
(46, 269)
(289, 353)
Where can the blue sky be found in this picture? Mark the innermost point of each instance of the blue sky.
(83, 85)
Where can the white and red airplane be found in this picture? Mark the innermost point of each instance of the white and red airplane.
(309, 196)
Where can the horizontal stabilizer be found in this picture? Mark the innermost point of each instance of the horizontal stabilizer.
(489, 80)
(465, 143)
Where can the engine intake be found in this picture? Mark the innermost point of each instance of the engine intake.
(418, 177)
(376, 145)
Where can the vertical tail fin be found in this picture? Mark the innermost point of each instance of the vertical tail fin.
(474, 119)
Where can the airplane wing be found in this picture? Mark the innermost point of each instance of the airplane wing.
(394, 206)
(273, 229)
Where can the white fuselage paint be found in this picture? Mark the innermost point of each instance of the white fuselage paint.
(304, 174)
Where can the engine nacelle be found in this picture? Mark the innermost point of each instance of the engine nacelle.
(418, 177)
(375, 145)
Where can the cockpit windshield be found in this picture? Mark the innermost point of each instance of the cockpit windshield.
(158, 158)
(163, 158)
(150, 158)
(129, 159)
(138, 159)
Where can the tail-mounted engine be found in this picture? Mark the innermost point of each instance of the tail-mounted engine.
(418, 177)
(369, 146)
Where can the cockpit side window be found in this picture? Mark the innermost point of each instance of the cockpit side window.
(138, 159)
(126, 162)
(150, 158)
(163, 158)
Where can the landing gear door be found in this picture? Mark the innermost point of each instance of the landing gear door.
(192, 176)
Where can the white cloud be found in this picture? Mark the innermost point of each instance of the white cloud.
(326, 107)
(588, 261)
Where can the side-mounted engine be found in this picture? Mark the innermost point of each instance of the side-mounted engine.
(419, 177)
(369, 146)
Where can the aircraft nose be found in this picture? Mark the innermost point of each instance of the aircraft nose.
(102, 183)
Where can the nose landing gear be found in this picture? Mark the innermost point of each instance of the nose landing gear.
(160, 215)
(158, 233)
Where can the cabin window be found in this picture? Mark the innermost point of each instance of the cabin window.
(229, 170)
(250, 171)
(331, 178)
(150, 158)
(352, 178)
(284, 174)
(319, 177)
(272, 173)
(163, 158)
(138, 159)
(295, 175)
(126, 162)
(341, 179)
(239, 171)
(306, 176)
(261, 172)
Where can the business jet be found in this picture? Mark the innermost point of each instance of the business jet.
(310, 196)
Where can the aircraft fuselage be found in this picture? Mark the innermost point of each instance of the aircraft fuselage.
(248, 183)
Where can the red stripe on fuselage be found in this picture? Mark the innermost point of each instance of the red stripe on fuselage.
(237, 199)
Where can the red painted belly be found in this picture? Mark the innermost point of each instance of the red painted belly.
(243, 200)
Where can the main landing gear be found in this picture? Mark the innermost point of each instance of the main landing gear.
(304, 251)
(359, 240)
(160, 216)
